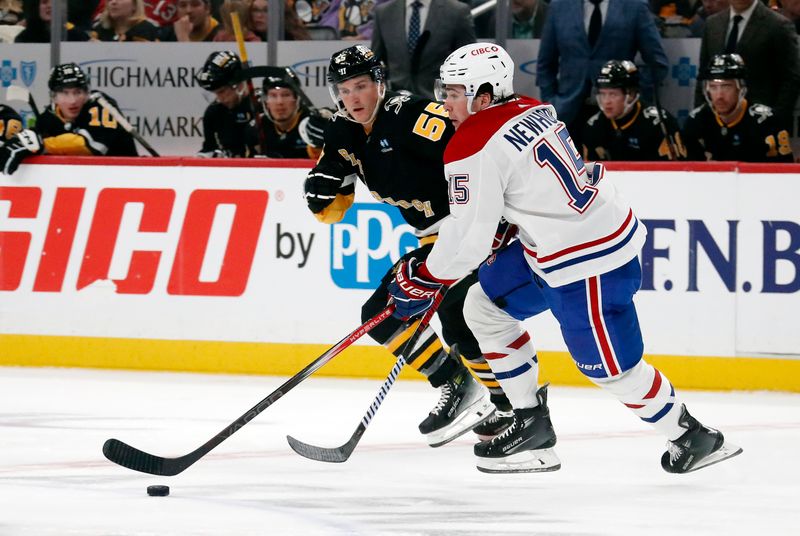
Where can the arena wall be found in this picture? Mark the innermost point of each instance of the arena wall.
(217, 266)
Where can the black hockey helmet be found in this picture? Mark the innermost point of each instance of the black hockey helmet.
(67, 75)
(724, 67)
(289, 81)
(352, 62)
(222, 68)
(621, 74)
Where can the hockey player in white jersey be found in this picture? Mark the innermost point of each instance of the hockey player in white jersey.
(576, 256)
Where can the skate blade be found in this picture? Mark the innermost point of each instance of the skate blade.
(480, 411)
(727, 450)
(527, 461)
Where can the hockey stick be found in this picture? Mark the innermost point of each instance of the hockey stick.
(237, 31)
(16, 93)
(662, 120)
(119, 118)
(342, 453)
(133, 458)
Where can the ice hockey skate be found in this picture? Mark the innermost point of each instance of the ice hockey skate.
(524, 447)
(699, 447)
(494, 425)
(463, 404)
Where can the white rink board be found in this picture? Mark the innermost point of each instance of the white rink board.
(307, 284)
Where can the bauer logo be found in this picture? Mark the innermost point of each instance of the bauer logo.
(366, 243)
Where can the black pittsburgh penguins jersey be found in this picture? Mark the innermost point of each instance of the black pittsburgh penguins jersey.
(10, 123)
(93, 132)
(401, 160)
(634, 137)
(284, 144)
(229, 132)
(754, 136)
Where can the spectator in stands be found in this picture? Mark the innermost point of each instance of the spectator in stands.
(767, 42)
(124, 20)
(414, 37)
(526, 20)
(293, 27)
(697, 24)
(673, 16)
(194, 23)
(74, 124)
(791, 10)
(283, 115)
(81, 13)
(624, 129)
(569, 60)
(162, 13)
(10, 12)
(38, 14)
(353, 19)
(728, 126)
(229, 126)
(311, 11)
(226, 33)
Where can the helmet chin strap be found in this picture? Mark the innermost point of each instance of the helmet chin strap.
(630, 102)
(346, 114)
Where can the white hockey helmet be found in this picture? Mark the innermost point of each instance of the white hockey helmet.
(474, 65)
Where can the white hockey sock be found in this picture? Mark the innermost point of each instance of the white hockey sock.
(506, 346)
(650, 395)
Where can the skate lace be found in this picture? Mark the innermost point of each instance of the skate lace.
(674, 450)
(507, 432)
(446, 392)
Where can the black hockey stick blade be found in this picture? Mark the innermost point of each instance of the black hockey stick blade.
(127, 456)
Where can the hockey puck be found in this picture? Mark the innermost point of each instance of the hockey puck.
(158, 491)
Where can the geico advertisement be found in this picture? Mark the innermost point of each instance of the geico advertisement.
(233, 254)
(184, 252)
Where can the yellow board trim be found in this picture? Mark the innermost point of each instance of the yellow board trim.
(695, 372)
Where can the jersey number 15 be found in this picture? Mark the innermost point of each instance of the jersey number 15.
(568, 167)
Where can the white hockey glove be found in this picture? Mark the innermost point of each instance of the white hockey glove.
(23, 144)
(216, 153)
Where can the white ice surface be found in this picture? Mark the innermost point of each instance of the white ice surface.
(54, 479)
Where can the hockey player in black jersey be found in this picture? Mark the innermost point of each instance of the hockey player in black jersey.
(283, 116)
(728, 127)
(394, 144)
(10, 123)
(229, 126)
(74, 124)
(625, 129)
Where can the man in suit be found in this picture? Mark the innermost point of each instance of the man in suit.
(767, 43)
(414, 49)
(579, 37)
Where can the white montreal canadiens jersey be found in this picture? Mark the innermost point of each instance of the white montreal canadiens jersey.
(517, 161)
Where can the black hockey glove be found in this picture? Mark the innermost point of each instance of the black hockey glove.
(320, 190)
(312, 128)
(23, 144)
